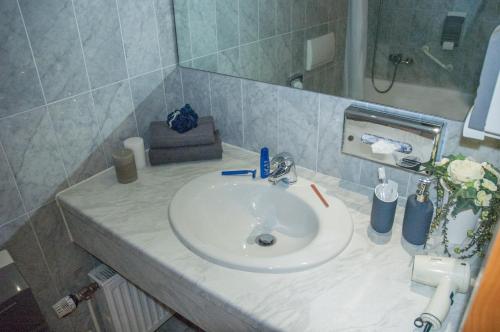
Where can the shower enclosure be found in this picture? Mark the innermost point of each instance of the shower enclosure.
(419, 55)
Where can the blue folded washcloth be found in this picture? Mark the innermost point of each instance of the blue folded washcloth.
(183, 120)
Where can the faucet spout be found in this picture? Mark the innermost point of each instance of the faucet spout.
(282, 168)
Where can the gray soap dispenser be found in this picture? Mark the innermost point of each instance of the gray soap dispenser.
(418, 214)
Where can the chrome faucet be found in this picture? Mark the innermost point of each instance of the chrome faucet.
(282, 168)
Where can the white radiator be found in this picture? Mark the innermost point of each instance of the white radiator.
(127, 308)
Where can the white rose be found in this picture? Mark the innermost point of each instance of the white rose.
(489, 185)
(493, 171)
(465, 171)
(477, 184)
(482, 199)
(442, 162)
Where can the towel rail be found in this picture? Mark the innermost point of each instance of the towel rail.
(427, 51)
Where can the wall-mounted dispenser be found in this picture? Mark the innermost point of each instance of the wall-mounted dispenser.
(452, 30)
(390, 138)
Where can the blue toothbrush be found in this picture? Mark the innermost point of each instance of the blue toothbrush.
(240, 172)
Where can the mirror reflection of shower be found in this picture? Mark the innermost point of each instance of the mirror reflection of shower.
(418, 55)
(395, 59)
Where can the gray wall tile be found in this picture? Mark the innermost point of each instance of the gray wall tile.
(149, 101)
(19, 86)
(283, 16)
(140, 36)
(25, 251)
(114, 111)
(227, 23)
(30, 141)
(298, 51)
(267, 22)
(298, 14)
(267, 60)
(64, 258)
(181, 14)
(32, 149)
(260, 116)
(208, 63)
(78, 133)
(53, 34)
(227, 108)
(9, 229)
(249, 61)
(202, 20)
(101, 40)
(278, 55)
(196, 91)
(166, 32)
(249, 24)
(11, 205)
(331, 160)
(283, 58)
(298, 125)
(229, 62)
(173, 88)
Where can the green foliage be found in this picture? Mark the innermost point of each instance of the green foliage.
(481, 195)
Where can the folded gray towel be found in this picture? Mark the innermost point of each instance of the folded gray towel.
(187, 153)
(164, 137)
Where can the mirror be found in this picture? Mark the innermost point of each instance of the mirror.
(421, 55)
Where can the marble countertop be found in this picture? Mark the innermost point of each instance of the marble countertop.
(366, 288)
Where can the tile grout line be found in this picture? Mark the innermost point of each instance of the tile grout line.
(85, 92)
(242, 115)
(317, 132)
(59, 147)
(100, 146)
(239, 24)
(32, 54)
(157, 27)
(126, 65)
(11, 171)
(189, 30)
(216, 36)
(182, 86)
(210, 92)
(10, 221)
(253, 42)
(258, 21)
(278, 103)
(45, 106)
(44, 257)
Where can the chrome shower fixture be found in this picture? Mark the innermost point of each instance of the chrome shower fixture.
(397, 59)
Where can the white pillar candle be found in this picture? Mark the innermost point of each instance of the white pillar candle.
(136, 144)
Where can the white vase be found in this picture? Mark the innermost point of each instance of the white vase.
(459, 225)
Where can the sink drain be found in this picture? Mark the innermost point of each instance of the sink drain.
(265, 240)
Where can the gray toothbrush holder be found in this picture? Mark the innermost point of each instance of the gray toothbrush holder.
(382, 216)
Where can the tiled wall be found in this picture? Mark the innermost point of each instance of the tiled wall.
(308, 125)
(77, 77)
(261, 39)
(407, 25)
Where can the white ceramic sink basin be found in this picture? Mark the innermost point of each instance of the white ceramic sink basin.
(221, 218)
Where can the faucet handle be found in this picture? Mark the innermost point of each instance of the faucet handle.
(283, 159)
(282, 167)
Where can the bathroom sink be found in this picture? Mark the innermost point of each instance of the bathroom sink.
(252, 225)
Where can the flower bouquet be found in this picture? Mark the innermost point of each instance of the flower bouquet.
(465, 186)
